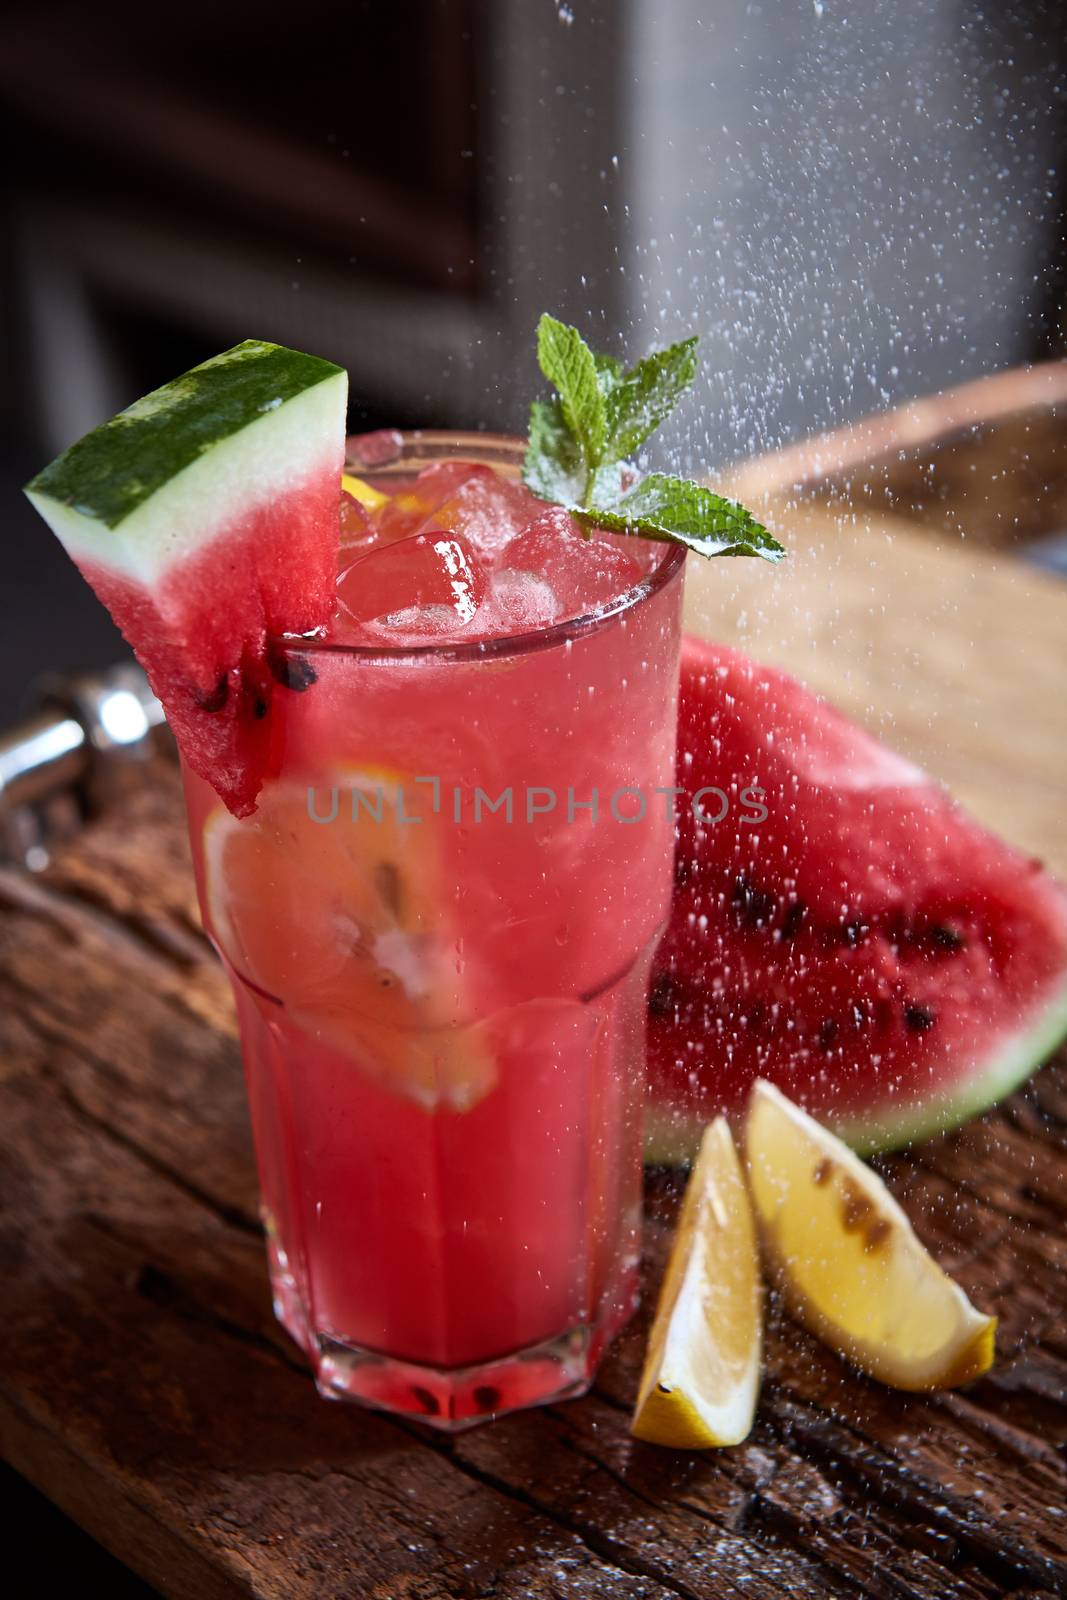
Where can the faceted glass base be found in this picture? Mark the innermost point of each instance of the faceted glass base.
(452, 1398)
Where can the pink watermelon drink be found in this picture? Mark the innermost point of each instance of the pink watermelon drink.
(427, 725)
(439, 925)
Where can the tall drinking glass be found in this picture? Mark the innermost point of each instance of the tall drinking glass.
(438, 925)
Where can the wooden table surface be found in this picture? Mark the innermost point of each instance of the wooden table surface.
(146, 1389)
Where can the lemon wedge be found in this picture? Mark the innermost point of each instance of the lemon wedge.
(362, 491)
(328, 902)
(850, 1265)
(702, 1369)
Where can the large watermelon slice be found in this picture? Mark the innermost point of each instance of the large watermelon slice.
(868, 946)
(205, 516)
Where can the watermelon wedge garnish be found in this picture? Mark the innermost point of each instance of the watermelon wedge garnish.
(205, 517)
(868, 947)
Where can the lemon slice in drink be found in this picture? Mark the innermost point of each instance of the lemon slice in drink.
(362, 491)
(702, 1370)
(333, 904)
(848, 1260)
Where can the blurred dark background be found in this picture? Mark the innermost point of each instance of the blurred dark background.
(851, 206)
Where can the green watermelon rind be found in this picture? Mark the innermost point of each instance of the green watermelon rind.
(162, 478)
(672, 1135)
(114, 469)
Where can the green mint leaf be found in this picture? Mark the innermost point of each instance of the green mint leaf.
(608, 373)
(579, 445)
(554, 467)
(681, 512)
(645, 396)
(568, 363)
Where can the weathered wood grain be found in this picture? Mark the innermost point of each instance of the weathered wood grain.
(144, 1384)
(148, 1391)
(984, 462)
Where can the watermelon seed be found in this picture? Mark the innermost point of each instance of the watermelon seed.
(827, 1032)
(486, 1397)
(292, 671)
(855, 931)
(795, 919)
(918, 1018)
(427, 1400)
(823, 1172)
(756, 1016)
(948, 938)
(255, 689)
(754, 906)
(664, 999)
(215, 698)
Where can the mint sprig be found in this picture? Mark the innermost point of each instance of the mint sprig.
(580, 446)
(682, 512)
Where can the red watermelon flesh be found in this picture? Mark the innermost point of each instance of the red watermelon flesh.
(201, 632)
(868, 947)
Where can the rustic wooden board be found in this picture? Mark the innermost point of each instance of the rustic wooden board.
(984, 462)
(145, 1387)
